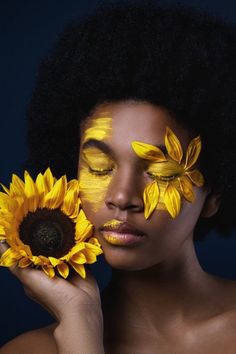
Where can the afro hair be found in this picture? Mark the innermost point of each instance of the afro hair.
(174, 57)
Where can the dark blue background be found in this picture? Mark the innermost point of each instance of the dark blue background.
(28, 30)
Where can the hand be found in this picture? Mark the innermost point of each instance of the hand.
(74, 303)
(61, 298)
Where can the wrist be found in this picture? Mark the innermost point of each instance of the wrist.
(80, 333)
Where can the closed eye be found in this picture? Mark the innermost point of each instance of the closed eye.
(100, 172)
(164, 178)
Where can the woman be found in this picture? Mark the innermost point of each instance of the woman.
(145, 87)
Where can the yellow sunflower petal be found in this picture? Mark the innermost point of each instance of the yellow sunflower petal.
(193, 151)
(48, 179)
(24, 262)
(79, 268)
(63, 270)
(6, 190)
(172, 200)
(54, 198)
(83, 227)
(31, 192)
(196, 177)
(18, 183)
(78, 258)
(54, 261)
(69, 202)
(150, 198)
(187, 188)
(94, 241)
(94, 248)
(148, 152)
(173, 145)
(49, 271)
(9, 258)
(90, 256)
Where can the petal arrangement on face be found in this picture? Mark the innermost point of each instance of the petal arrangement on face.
(44, 225)
(173, 177)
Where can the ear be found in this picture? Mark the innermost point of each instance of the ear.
(211, 205)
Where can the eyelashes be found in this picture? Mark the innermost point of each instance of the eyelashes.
(105, 172)
(100, 172)
(162, 177)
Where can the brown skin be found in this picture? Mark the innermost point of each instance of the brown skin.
(160, 299)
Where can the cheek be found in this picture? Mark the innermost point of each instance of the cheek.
(93, 189)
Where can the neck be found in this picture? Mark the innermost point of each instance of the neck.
(175, 288)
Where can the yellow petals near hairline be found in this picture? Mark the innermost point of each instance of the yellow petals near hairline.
(150, 198)
(187, 188)
(148, 152)
(63, 270)
(196, 177)
(172, 200)
(193, 151)
(173, 145)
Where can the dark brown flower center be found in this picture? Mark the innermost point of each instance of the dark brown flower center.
(48, 232)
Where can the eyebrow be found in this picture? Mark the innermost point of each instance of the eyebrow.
(107, 150)
(98, 144)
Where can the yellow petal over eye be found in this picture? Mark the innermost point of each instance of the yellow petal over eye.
(148, 152)
(173, 145)
(196, 177)
(150, 198)
(193, 152)
(187, 188)
(172, 200)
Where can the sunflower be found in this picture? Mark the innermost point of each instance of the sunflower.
(44, 225)
(174, 174)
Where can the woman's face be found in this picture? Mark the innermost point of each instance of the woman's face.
(113, 179)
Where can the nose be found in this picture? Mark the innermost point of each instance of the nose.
(125, 193)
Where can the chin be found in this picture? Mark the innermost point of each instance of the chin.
(126, 259)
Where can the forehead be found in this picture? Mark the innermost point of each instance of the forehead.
(130, 121)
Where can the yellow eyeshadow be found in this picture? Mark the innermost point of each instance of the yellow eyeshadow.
(166, 169)
(96, 159)
(99, 129)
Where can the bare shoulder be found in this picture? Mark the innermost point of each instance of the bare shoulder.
(39, 341)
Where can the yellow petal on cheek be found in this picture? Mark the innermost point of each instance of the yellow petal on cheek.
(150, 198)
(148, 152)
(187, 188)
(172, 200)
(173, 145)
(193, 152)
(196, 177)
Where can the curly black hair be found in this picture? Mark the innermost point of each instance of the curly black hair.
(173, 57)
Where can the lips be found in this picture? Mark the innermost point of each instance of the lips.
(121, 233)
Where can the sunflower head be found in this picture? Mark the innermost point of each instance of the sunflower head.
(173, 173)
(44, 225)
